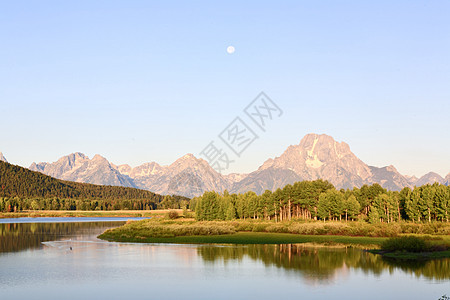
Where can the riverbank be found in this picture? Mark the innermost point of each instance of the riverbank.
(247, 238)
(412, 255)
(255, 232)
(87, 214)
(412, 248)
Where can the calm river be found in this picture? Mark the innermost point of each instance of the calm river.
(65, 260)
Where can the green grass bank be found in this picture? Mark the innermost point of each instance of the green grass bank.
(266, 232)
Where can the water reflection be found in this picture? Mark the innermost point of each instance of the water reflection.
(322, 264)
(22, 236)
(312, 264)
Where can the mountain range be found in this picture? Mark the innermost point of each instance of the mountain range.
(24, 183)
(315, 157)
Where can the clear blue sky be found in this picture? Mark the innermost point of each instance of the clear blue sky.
(139, 81)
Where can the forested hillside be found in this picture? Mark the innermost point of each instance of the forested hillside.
(25, 189)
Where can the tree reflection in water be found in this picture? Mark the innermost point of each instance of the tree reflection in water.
(323, 263)
(22, 236)
(315, 264)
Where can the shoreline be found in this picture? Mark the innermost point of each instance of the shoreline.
(81, 213)
(189, 231)
(247, 238)
(410, 256)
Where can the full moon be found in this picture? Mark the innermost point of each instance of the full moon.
(230, 49)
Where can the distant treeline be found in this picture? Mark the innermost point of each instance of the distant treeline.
(22, 189)
(319, 200)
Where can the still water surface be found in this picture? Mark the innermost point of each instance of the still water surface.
(66, 261)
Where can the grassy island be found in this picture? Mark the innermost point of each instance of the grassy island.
(412, 248)
(267, 232)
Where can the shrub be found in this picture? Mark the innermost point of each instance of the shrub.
(172, 214)
(406, 243)
(276, 228)
(240, 225)
(188, 214)
(165, 229)
(260, 227)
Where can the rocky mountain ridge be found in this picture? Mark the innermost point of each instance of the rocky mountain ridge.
(79, 168)
(315, 157)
